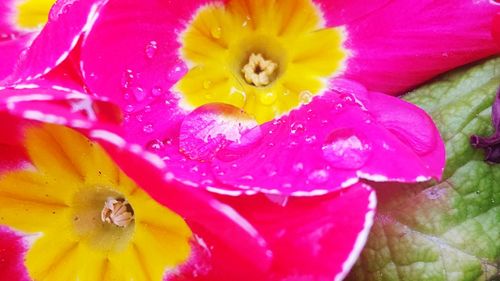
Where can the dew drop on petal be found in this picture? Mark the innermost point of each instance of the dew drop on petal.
(155, 145)
(129, 108)
(319, 176)
(305, 97)
(148, 128)
(127, 78)
(217, 129)
(216, 32)
(268, 98)
(207, 84)
(157, 91)
(139, 93)
(151, 49)
(346, 149)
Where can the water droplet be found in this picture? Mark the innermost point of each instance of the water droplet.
(270, 170)
(305, 97)
(296, 128)
(151, 49)
(127, 78)
(318, 176)
(298, 167)
(139, 93)
(147, 108)
(155, 145)
(129, 108)
(267, 98)
(217, 129)
(346, 149)
(207, 84)
(310, 139)
(148, 128)
(216, 32)
(157, 91)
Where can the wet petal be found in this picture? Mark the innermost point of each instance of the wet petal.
(345, 135)
(404, 43)
(316, 238)
(153, 175)
(141, 58)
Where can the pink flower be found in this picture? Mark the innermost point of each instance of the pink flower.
(63, 171)
(241, 98)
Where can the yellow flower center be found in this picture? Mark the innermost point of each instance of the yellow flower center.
(33, 14)
(261, 56)
(92, 222)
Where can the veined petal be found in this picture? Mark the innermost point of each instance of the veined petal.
(316, 238)
(346, 134)
(404, 43)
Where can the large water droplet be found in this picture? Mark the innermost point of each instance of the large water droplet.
(347, 149)
(151, 49)
(217, 129)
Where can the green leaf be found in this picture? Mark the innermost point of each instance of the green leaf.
(448, 230)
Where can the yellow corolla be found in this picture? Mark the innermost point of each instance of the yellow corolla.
(89, 220)
(32, 14)
(266, 57)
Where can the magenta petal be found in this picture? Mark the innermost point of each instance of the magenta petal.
(316, 238)
(338, 12)
(10, 50)
(68, 20)
(132, 56)
(12, 250)
(345, 135)
(405, 43)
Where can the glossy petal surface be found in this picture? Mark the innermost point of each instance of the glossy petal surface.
(312, 238)
(346, 134)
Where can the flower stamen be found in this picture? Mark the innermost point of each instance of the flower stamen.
(259, 71)
(117, 211)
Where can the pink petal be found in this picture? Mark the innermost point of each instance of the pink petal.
(12, 250)
(406, 42)
(47, 105)
(496, 28)
(316, 238)
(339, 12)
(131, 56)
(68, 20)
(125, 67)
(10, 50)
(345, 135)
